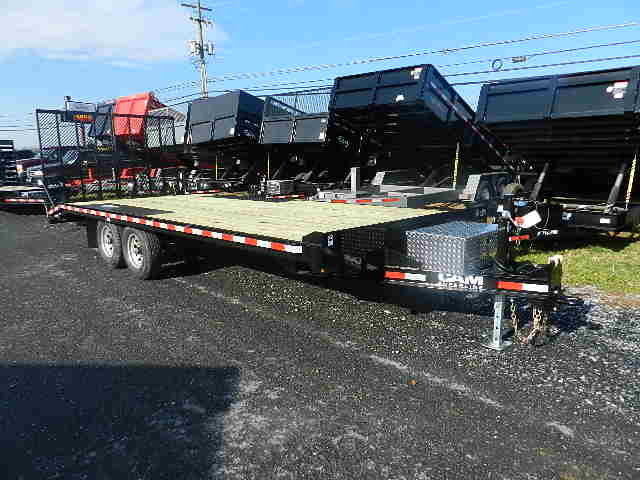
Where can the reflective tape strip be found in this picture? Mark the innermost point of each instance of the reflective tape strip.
(515, 238)
(23, 200)
(520, 287)
(405, 276)
(367, 201)
(227, 237)
(281, 197)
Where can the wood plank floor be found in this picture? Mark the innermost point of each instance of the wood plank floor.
(288, 220)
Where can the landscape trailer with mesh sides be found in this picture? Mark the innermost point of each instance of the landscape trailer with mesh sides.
(580, 132)
(82, 154)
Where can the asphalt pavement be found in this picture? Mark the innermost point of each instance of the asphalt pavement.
(234, 370)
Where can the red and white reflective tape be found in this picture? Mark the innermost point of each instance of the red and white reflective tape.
(516, 238)
(227, 237)
(368, 200)
(522, 287)
(418, 277)
(283, 197)
(23, 200)
(204, 191)
(500, 285)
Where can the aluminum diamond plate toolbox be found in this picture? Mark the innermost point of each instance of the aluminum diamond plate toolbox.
(460, 248)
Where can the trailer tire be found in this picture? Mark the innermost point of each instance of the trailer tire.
(142, 253)
(110, 244)
(513, 189)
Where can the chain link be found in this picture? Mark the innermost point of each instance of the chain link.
(514, 319)
(540, 328)
(540, 325)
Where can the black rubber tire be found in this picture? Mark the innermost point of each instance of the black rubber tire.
(148, 259)
(513, 188)
(110, 254)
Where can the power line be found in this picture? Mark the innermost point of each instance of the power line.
(525, 56)
(529, 67)
(443, 51)
(256, 87)
(560, 64)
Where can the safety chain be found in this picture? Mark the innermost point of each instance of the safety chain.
(540, 326)
(539, 330)
(514, 320)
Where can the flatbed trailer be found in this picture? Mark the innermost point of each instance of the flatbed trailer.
(323, 238)
(21, 196)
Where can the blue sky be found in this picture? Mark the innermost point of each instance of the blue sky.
(101, 50)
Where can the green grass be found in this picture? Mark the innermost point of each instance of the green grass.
(610, 264)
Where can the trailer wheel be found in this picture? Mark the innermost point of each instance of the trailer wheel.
(110, 244)
(142, 252)
(513, 189)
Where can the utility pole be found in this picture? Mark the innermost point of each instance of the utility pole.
(198, 47)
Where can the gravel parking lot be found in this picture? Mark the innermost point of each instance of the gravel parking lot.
(238, 373)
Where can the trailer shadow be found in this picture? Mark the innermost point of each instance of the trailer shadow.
(112, 422)
(25, 210)
(568, 318)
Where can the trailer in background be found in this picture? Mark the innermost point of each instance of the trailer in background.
(417, 142)
(13, 193)
(82, 154)
(580, 134)
(306, 149)
(8, 172)
(222, 135)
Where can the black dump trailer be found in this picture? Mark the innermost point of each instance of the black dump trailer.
(406, 118)
(222, 134)
(306, 148)
(579, 133)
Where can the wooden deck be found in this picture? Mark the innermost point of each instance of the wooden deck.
(286, 220)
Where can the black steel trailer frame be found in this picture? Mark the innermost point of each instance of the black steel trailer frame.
(371, 250)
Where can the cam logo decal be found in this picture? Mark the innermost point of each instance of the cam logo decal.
(468, 281)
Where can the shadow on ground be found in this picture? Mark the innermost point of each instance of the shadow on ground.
(113, 422)
(25, 210)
